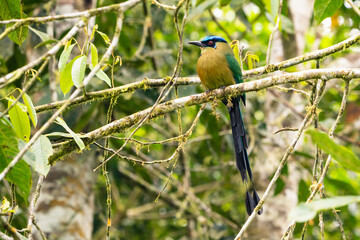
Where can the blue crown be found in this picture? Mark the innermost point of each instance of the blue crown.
(214, 38)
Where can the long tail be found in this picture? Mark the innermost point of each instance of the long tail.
(242, 159)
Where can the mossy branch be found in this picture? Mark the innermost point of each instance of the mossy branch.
(149, 83)
(305, 58)
(11, 77)
(119, 7)
(124, 123)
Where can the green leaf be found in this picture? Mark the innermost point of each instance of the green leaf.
(20, 174)
(19, 120)
(78, 71)
(30, 108)
(341, 154)
(200, 9)
(43, 36)
(101, 75)
(272, 6)
(64, 57)
(42, 150)
(287, 25)
(59, 134)
(104, 36)
(12, 9)
(223, 3)
(22, 106)
(304, 212)
(279, 187)
(325, 8)
(50, 41)
(94, 55)
(78, 141)
(65, 77)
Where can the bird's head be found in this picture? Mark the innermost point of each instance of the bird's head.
(209, 41)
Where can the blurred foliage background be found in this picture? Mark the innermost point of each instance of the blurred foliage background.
(206, 164)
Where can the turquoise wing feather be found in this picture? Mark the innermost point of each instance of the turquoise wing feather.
(235, 68)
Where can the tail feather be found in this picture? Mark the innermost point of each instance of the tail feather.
(250, 203)
(242, 159)
(257, 200)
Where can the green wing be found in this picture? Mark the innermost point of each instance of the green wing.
(234, 67)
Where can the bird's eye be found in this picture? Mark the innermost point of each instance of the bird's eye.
(210, 43)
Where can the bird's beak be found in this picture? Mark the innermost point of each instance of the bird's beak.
(196, 43)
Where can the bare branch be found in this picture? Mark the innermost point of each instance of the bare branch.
(354, 7)
(148, 83)
(66, 104)
(273, 33)
(167, 7)
(304, 58)
(319, 184)
(283, 161)
(119, 7)
(11, 77)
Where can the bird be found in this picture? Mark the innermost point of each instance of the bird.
(217, 67)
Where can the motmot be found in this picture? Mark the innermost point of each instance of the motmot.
(217, 67)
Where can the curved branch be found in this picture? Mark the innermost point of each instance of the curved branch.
(88, 13)
(122, 124)
(87, 79)
(10, 77)
(146, 83)
(107, 93)
(304, 58)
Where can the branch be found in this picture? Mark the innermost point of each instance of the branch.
(319, 184)
(107, 93)
(283, 161)
(67, 103)
(11, 77)
(167, 7)
(119, 7)
(32, 206)
(304, 58)
(24, 90)
(354, 7)
(179, 62)
(148, 83)
(273, 33)
(122, 124)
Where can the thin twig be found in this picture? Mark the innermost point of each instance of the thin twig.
(11, 77)
(42, 234)
(219, 25)
(234, 90)
(5, 237)
(273, 32)
(286, 129)
(24, 90)
(167, 7)
(9, 30)
(173, 80)
(318, 54)
(67, 103)
(180, 146)
(319, 184)
(354, 7)
(282, 163)
(286, 89)
(33, 204)
(119, 7)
